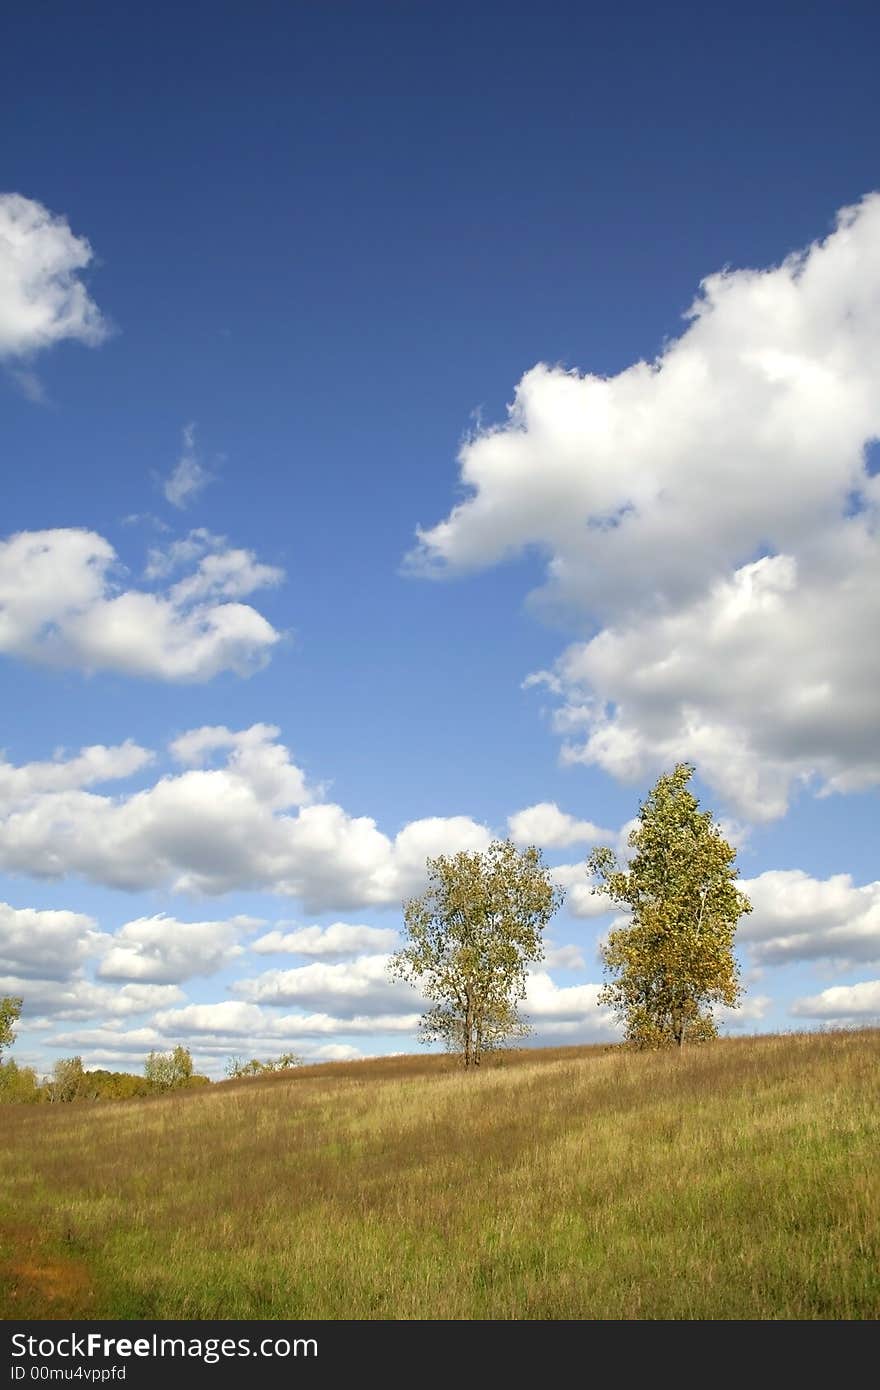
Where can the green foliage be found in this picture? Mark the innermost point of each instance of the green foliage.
(237, 1066)
(18, 1085)
(71, 1082)
(470, 939)
(67, 1080)
(169, 1071)
(674, 959)
(10, 1012)
(111, 1085)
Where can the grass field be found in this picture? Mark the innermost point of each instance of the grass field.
(738, 1180)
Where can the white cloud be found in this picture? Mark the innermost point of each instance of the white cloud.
(91, 765)
(797, 917)
(842, 1003)
(42, 297)
(233, 1019)
(60, 605)
(213, 830)
(46, 944)
(227, 574)
(712, 518)
(189, 476)
(431, 837)
(563, 957)
(221, 571)
(360, 986)
(752, 1009)
(777, 637)
(545, 825)
(552, 1008)
(254, 758)
(76, 997)
(110, 1040)
(162, 950)
(141, 997)
(163, 560)
(580, 900)
(339, 939)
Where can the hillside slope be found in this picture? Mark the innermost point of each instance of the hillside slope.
(739, 1180)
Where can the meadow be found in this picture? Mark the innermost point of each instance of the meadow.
(736, 1180)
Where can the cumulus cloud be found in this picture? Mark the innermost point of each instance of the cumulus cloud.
(253, 756)
(842, 1003)
(752, 1009)
(189, 476)
(61, 605)
(249, 823)
(42, 296)
(234, 1019)
(545, 825)
(764, 683)
(44, 954)
(797, 918)
(552, 1008)
(78, 998)
(360, 986)
(162, 950)
(111, 1040)
(91, 765)
(46, 944)
(580, 900)
(710, 520)
(339, 939)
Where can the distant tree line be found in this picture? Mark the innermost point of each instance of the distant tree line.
(238, 1067)
(70, 1081)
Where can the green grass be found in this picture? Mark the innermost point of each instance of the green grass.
(738, 1180)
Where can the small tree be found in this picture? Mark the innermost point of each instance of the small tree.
(10, 1013)
(67, 1080)
(237, 1067)
(674, 959)
(168, 1071)
(471, 937)
(18, 1085)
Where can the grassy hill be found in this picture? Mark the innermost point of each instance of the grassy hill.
(739, 1180)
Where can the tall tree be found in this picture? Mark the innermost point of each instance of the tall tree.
(470, 939)
(674, 959)
(10, 1012)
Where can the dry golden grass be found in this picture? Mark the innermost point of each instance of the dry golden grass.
(739, 1180)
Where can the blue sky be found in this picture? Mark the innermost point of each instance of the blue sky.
(275, 288)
